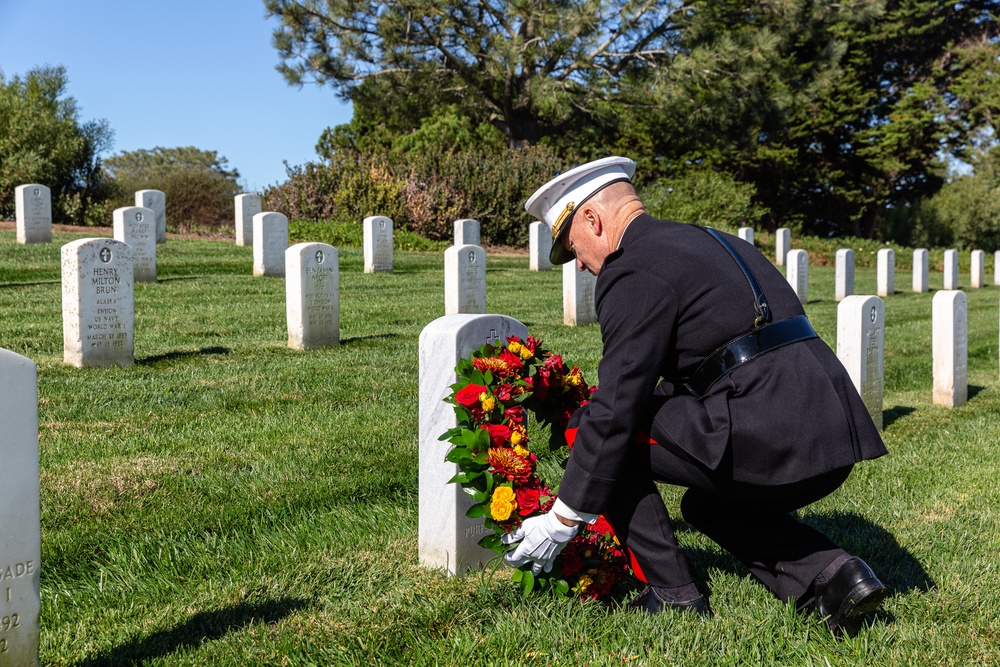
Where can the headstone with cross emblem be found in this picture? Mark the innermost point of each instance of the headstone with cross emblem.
(20, 534)
(539, 246)
(464, 280)
(578, 296)
(33, 211)
(157, 201)
(247, 205)
(861, 348)
(447, 538)
(270, 241)
(98, 303)
(377, 242)
(312, 295)
(950, 344)
(136, 226)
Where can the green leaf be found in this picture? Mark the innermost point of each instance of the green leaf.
(517, 576)
(562, 587)
(493, 543)
(527, 582)
(477, 511)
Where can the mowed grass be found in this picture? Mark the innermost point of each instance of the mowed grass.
(229, 501)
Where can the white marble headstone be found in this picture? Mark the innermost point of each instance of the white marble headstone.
(921, 264)
(98, 303)
(950, 342)
(20, 521)
(157, 201)
(978, 272)
(33, 211)
(464, 280)
(861, 348)
(312, 295)
(466, 232)
(247, 206)
(996, 268)
(136, 226)
(844, 274)
(377, 242)
(447, 539)
(782, 244)
(797, 272)
(539, 246)
(951, 269)
(886, 272)
(270, 234)
(578, 296)
(746, 233)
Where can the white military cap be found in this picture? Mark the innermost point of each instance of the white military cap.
(557, 201)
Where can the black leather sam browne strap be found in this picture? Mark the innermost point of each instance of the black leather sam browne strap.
(764, 337)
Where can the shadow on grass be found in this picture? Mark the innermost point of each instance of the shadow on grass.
(894, 413)
(359, 339)
(200, 628)
(973, 391)
(156, 358)
(31, 284)
(893, 563)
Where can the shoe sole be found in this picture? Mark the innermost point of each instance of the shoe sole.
(863, 599)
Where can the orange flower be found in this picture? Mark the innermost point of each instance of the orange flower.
(506, 462)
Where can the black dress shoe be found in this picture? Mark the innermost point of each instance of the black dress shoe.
(851, 593)
(652, 603)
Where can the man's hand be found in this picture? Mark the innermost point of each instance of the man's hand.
(541, 538)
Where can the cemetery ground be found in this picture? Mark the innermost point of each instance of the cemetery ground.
(229, 501)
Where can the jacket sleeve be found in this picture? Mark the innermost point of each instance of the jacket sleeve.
(637, 312)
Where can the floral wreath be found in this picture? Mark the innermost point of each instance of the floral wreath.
(497, 387)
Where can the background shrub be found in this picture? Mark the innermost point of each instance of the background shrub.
(704, 197)
(423, 193)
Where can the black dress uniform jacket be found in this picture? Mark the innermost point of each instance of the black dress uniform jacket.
(667, 298)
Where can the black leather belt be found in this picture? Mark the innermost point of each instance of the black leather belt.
(746, 347)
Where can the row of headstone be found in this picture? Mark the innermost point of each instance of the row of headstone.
(886, 271)
(33, 211)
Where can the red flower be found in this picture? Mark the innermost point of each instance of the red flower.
(514, 414)
(602, 527)
(504, 392)
(527, 500)
(512, 361)
(499, 434)
(468, 396)
(571, 562)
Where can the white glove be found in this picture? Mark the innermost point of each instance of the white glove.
(542, 538)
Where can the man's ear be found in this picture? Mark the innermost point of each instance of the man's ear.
(592, 218)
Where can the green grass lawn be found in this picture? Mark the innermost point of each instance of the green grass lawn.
(229, 501)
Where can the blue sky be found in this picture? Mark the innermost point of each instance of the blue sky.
(175, 73)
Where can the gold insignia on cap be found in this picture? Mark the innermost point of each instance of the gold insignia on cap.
(557, 225)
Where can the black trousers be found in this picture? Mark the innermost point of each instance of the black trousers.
(754, 523)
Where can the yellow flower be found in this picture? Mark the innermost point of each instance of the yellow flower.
(521, 451)
(514, 347)
(503, 504)
(487, 401)
(518, 435)
(582, 584)
(525, 353)
(574, 379)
